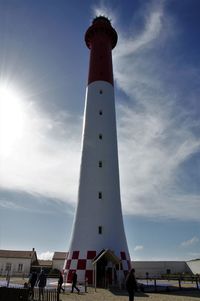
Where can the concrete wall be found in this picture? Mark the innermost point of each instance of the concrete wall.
(194, 266)
(18, 266)
(58, 264)
(158, 268)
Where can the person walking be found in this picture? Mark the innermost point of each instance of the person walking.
(42, 280)
(60, 283)
(74, 282)
(32, 281)
(131, 284)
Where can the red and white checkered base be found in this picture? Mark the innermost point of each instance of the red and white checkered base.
(81, 263)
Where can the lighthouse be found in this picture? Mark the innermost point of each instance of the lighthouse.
(98, 249)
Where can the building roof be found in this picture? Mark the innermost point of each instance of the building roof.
(44, 263)
(18, 254)
(59, 255)
(109, 255)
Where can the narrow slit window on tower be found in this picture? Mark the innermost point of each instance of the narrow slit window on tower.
(100, 195)
(100, 229)
(101, 91)
(100, 164)
(100, 112)
(100, 136)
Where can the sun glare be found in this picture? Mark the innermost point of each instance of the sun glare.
(12, 119)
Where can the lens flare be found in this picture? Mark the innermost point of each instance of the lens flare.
(12, 119)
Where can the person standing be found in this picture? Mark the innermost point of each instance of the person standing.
(74, 282)
(131, 284)
(42, 280)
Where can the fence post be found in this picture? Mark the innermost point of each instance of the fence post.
(86, 284)
(155, 286)
(197, 282)
(179, 283)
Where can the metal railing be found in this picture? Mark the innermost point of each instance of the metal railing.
(169, 283)
(49, 294)
(23, 294)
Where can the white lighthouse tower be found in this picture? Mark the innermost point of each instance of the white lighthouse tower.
(98, 250)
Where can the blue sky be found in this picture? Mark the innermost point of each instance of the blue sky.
(43, 76)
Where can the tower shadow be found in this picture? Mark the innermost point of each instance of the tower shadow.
(118, 292)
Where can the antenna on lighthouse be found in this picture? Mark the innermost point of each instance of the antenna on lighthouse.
(98, 250)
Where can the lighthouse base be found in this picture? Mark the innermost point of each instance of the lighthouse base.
(100, 269)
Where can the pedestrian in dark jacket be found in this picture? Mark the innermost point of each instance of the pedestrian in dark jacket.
(131, 284)
(42, 280)
(74, 282)
(60, 283)
(32, 281)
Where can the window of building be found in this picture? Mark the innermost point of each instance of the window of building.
(100, 91)
(100, 164)
(8, 266)
(100, 136)
(20, 267)
(100, 112)
(100, 195)
(100, 229)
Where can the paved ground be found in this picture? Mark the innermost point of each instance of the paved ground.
(106, 295)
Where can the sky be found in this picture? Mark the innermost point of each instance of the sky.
(43, 78)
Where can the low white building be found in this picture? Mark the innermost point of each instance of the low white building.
(58, 260)
(194, 266)
(17, 263)
(159, 268)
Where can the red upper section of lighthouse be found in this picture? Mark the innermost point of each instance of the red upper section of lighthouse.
(101, 38)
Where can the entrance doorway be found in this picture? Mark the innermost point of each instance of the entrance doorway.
(101, 272)
(105, 269)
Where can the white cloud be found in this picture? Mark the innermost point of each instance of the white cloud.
(149, 170)
(194, 255)
(153, 27)
(190, 242)
(138, 248)
(46, 159)
(156, 134)
(103, 10)
(46, 255)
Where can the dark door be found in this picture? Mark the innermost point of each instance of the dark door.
(101, 272)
